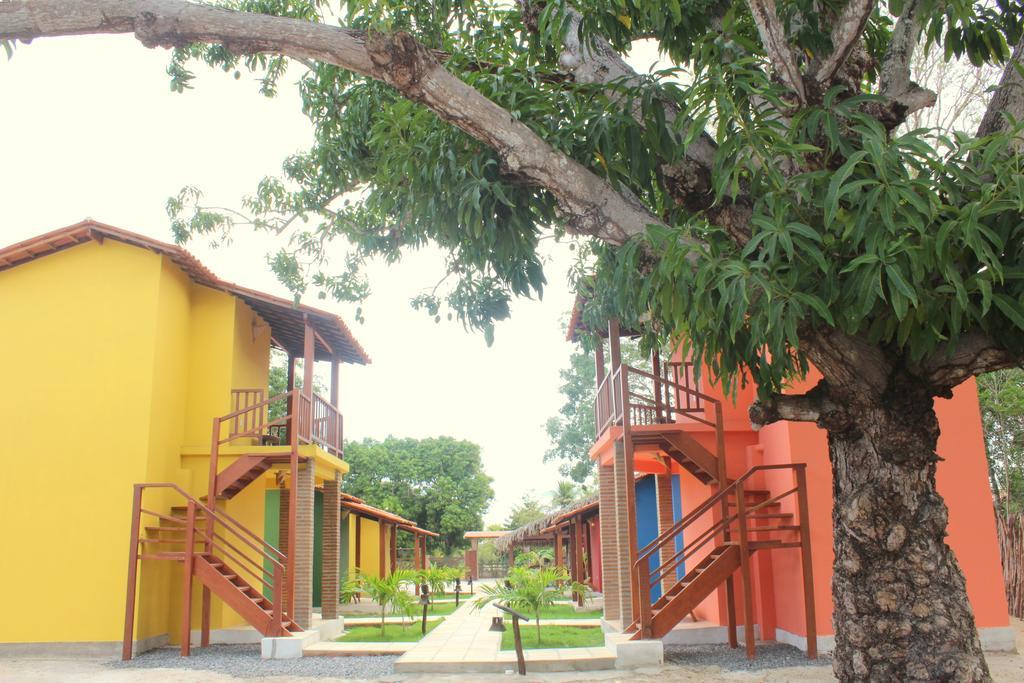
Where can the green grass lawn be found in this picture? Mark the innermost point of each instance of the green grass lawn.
(439, 609)
(393, 633)
(552, 636)
(567, 611)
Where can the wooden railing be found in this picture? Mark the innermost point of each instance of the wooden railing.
(224, 540)
(741, 523)
(316, 420)
(325, 426)
(653, 398)
(242, 400)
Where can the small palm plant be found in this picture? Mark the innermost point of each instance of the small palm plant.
(390, 592)
(436, 578)
(351, 589)
(531, 590)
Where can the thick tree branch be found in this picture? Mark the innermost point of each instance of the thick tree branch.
(592, 206)
(974, 353)
(688, 182)
(814, 406)
(846, 34)
(773, 37)
(1008, 97)
(856, 368)
(895, 82)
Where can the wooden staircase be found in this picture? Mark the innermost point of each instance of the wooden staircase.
(227, 559)
(684, 450)
(726, 530)
(737, 522)
(245, 470)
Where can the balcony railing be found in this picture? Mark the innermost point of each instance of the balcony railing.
(649, 398)
(289, 418)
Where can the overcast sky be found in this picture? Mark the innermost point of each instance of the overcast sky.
(89, 128)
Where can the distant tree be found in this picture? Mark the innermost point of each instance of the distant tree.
(571, 432)
(277, 382)
(439, 483)
(1002, 412)
(565, 493)
(529, 510)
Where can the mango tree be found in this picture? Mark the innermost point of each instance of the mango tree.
(751, 196)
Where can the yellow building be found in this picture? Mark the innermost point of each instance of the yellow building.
(136, 394)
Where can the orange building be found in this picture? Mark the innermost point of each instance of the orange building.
(772, 556)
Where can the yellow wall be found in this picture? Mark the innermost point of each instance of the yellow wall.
(118, 362)
(369, 564)
(78, 351)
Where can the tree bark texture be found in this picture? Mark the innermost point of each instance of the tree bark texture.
(900, 602)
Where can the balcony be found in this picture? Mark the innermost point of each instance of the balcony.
(665, 396)
(292, 418)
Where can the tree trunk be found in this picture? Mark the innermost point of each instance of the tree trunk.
(900, 603)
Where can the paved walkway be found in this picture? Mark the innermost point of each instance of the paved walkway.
(463, 644)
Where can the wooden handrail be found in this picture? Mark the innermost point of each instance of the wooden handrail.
(265, 552)
(224, 519)
(680, 387)
(644, 577)
(708, 503)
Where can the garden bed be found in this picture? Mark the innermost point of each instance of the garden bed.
(553, 637)
(393, 633)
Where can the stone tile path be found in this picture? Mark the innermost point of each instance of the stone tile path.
(463, 644)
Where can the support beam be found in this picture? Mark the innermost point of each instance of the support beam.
(335, 384)
(663, 490)
(308, 358)
(660, 409)
(610, 557)
(577, 556)
(284, 540)
(393, 543)
(559, 553)
(625, 512)
(330, 574)
(359, 543)
(302, 502)
(614, 345)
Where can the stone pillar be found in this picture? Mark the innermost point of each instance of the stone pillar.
(331, 572)
(664, 493)
(623, 479)
(609, 543)
(303, 489)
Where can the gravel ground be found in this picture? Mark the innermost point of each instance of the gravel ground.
(243, 661)
(769, 656)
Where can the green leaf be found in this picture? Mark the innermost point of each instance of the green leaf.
(840, 176)
(1011, 308)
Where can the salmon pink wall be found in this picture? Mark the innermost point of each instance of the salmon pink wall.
(962, 478)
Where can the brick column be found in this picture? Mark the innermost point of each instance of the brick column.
(284, 498)
(331, 572)
(665, 521)
(303, 490)
(609, 542)
(283, 503)
(622, 513)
